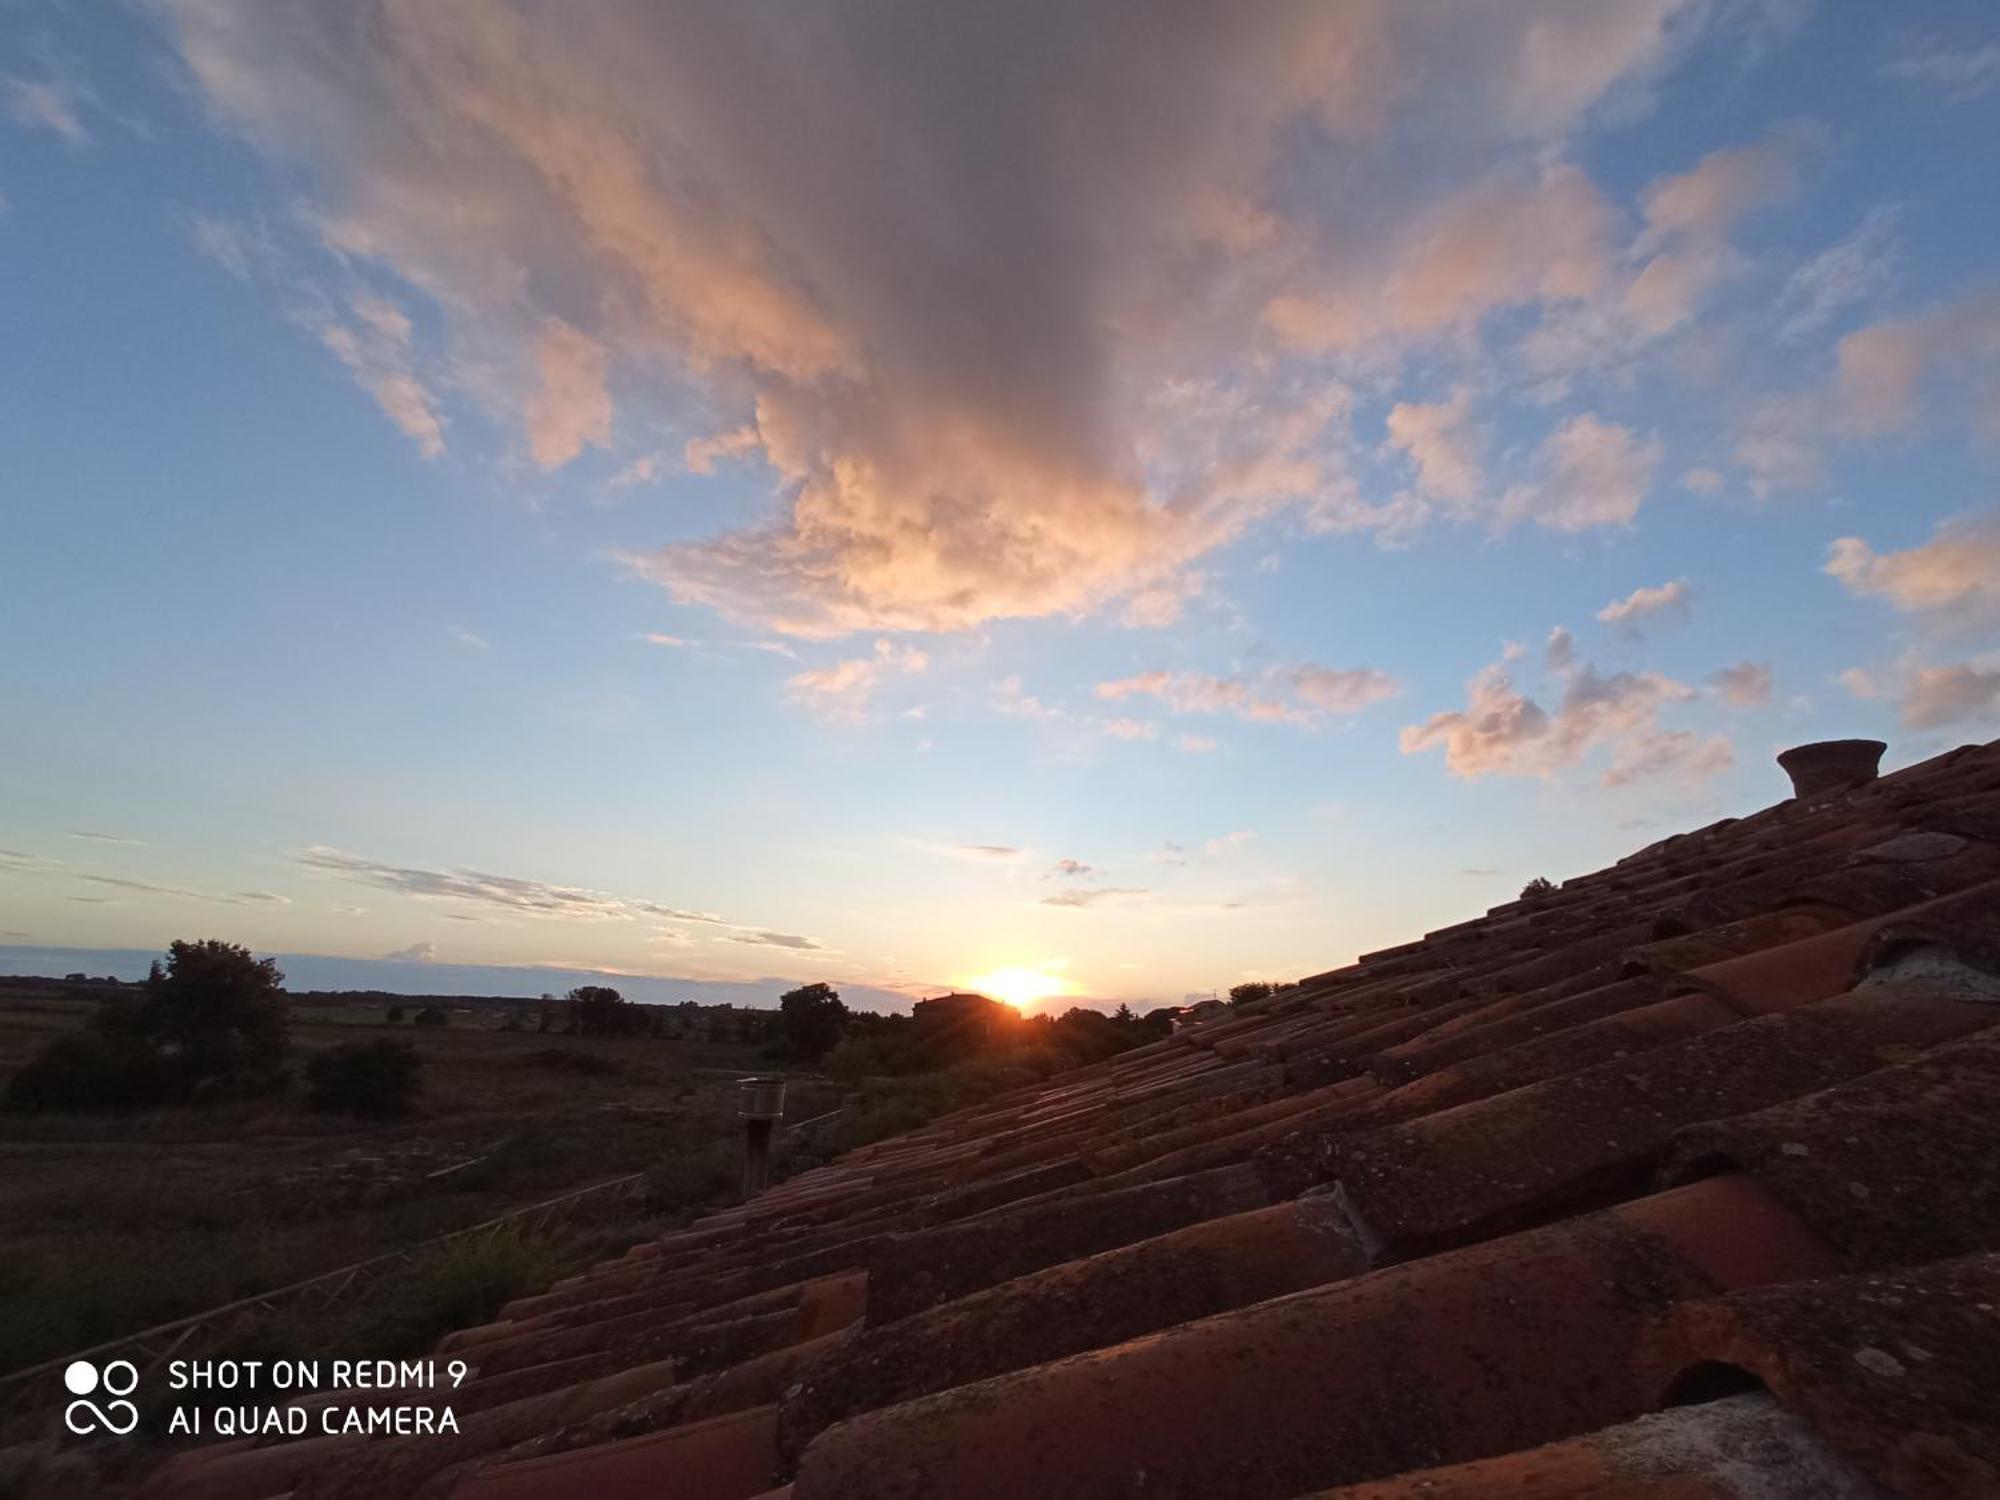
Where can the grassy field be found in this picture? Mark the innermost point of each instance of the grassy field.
(110, 1224)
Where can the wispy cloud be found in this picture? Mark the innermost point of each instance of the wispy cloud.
(1079, 897)
(1745, 685)
(108, 838)
(844, 690)
(1946, 70)
(1279, 695)
(416, 953)
(49, 103)
(775, 940)
(1643, 605)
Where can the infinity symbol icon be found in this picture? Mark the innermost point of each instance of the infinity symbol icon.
(119, 1378)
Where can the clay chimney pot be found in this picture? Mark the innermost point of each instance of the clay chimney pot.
(1828, 766)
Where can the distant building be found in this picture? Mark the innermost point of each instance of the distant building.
(1200, 1013)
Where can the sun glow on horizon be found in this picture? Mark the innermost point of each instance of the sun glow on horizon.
(1020, 986)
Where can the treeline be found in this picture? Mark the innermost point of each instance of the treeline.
(816, 1028)
(210, 1025)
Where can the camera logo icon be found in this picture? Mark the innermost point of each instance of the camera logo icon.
(117, 1379)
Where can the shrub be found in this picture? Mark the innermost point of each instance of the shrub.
(375, 1080)
(1256, 989)
(697, 1174)
(1538, 887)
(567, 1060)
(395, 1015)
(432, 1015)
(90, 1070)
(461, 1284)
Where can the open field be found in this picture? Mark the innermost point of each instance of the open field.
(111, 1224)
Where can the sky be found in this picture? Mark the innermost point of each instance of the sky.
(1093, 500)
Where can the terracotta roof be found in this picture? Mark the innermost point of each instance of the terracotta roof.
(1674, 1182)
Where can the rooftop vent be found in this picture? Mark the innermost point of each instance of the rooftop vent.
(761, 1103)
(1828, 766)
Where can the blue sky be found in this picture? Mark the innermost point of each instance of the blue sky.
(727, 496)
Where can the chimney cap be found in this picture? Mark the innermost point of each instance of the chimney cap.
(1827, 766)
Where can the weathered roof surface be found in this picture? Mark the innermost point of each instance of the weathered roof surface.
(1677, 1182)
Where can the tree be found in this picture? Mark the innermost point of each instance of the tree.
(1535, 889)
(432, 1015)
(219, 1018)
(210, 1023)
(376, 1080)
(1243, 994)
(599, 1010)
(813, 1019)
(395, 1015)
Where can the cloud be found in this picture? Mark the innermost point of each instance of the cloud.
(1942, 70)
(108, 838)
(1442, 446)
(702, 454)
(1229, 843)
(1500, 243)
(505, 894)
(1705, 202)
(1502, 731)
(268, 898)
(416, 953)
(1593, 473)
(1781, 443)
(1281, 695)
(842, 692)
(1631, 613)
(1745, 685)
(776, 940)
(1127, 729)
(1933, 696)
(1195, 744)
(1860, 267)
(570, 408)
(1951, 695)
(1956, 571)
(941, 308)
(373, 340)
(51, 103)
(1159, 606)
(1700, 481)
(1070, 869)
(1092, 896)
(997, 852)
(1886, 367)
(124, 883)
(469, 638)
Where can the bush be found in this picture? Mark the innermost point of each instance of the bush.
(565, 1060)
(90, 1070)
(1256, 989)
(461, 1284)
(432, 1015)
(395, 1015)
(1535, 889)
(374, 1080)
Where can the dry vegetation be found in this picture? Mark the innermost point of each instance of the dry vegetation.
(110, 1224)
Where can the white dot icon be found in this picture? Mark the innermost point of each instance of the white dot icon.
(80, 1377)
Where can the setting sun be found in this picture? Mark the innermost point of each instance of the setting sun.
(1019, 986)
